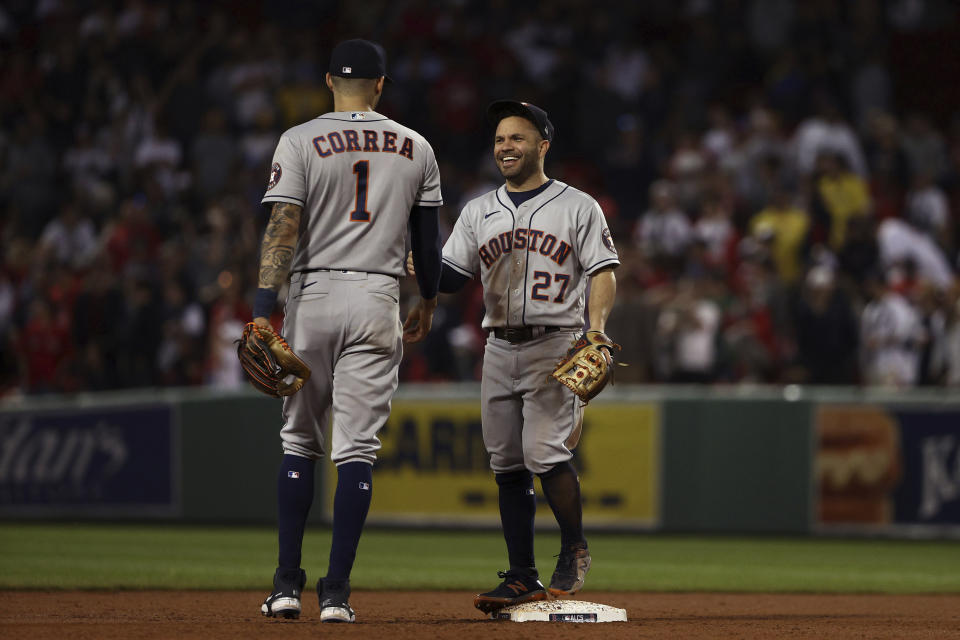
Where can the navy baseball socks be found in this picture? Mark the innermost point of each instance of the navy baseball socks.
(518, 506)
(561, 486)
(350, 506)
(295, 481)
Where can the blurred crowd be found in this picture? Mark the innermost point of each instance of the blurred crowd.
(782, 177)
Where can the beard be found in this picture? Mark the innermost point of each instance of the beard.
(525, 167)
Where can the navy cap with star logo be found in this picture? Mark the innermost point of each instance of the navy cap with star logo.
(359, 59)
(501, 109)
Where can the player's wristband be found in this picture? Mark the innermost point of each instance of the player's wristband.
(264, 303)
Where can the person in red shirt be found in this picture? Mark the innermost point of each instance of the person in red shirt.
(44, 348)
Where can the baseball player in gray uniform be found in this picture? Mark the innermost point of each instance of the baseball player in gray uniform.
(535, 243)
(344, 187)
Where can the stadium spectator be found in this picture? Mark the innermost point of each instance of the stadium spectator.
(924, 146)
(757, 332)
(8, 299)
(44, 348)
(826, 332)
(892, 334)
(827, 133)
(663, 232)
(931, 303)
(899, 242)
(787, 225)
(871, 87)
(688, 333)
(29, 173)
(841, 195)
(69, 238)
(228, 314)
(860, 255)
(952, 341)
(184, 326)
(889, 167)
(159, 155)
(759, 162)
(98, 310)
(214, 155)
(928, 209)
(714, 228)
(90, 166)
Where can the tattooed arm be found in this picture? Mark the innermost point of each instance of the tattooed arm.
(276, 254)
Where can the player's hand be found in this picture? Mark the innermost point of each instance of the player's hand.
(410, 270)
(419, 321)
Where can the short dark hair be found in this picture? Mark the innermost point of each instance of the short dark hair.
(354, 86)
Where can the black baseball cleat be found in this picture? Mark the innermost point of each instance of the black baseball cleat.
(572, 566)
(335, 601)
(517, 587)
(284, 602)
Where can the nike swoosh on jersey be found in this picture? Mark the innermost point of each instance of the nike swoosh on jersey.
(490, 214)
(307, 284)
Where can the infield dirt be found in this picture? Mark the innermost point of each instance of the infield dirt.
(392, 615)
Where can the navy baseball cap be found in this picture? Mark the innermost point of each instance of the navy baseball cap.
(501, 109)
(359, 59)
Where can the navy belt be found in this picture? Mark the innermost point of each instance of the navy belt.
(325, 270)
(522, 334)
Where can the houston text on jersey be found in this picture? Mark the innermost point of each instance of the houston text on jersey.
(520, 239)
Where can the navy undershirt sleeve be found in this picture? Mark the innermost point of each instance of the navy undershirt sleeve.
(451, 280)
(425, 242)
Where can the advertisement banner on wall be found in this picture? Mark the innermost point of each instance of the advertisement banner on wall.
(888, 468)
(434, 469)
(929, 493)
(95, 461)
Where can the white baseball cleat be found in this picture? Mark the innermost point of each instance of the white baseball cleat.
(284, 602)
(335, 602)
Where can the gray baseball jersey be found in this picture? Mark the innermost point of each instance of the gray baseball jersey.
(357, 175)
(533, 261)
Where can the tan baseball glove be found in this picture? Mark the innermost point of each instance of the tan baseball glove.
(269, 362)
(587, 367)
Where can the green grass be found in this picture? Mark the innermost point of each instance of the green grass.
(45, 556)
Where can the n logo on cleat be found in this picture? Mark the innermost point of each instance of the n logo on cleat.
(517, 587)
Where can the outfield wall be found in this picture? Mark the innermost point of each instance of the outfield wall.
(763, 460)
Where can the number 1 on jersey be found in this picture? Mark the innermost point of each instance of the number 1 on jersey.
(360, 213)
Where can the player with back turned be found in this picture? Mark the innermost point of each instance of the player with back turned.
(344, 187)
(535, 243)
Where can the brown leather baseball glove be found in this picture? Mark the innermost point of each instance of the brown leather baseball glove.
(587, 367)
(268, 362)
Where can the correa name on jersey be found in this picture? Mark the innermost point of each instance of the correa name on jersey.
(530, 239)
(347, 140)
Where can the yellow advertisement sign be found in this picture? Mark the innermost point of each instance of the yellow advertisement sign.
(434, 469)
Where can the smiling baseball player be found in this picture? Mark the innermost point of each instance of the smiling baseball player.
(535, 243)
(343, 189)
